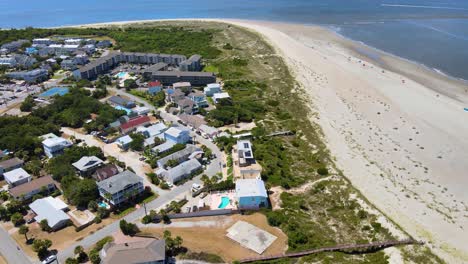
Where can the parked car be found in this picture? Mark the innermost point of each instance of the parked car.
(49, 259)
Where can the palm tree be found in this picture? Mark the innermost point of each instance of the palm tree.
(23, 230)
(78, 250)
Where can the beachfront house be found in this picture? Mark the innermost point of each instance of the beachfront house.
(212, 89)
(251, 194)
(180, 135)
(217, 97)
(52, 210)
(17, 177)
(182, 171)
(121, 187)
(10, 164)
(27, 190)
(54, 145)
(87, 165)
(245, 166)
(141, 250)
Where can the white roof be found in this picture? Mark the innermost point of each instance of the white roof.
(141, 109)
(250, 188)
(125, 140)
(55, 45)
(213, 85)
(208, 129)
(52, 142)
(164, 146)
(175, 131)
(51, 209)
(16, 175)
(87, 162)
(181, 84)
(220, 95)
(71, 46)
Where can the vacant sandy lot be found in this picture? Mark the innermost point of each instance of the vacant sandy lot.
(212, 239)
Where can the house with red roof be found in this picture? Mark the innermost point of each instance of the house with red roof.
(154, 87)
(133, 123)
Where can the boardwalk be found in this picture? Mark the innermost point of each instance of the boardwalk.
(346, 247)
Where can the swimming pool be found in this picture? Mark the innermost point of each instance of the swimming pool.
(224, 202)
(102, 204)
(128, 111)
(121, 75)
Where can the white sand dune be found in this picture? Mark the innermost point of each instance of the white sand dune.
(400, 134)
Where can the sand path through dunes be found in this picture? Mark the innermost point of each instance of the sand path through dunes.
(405, 146)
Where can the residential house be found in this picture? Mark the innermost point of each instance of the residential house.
(199, 98)
(54, 146)
(154, 87)
(89, 48)
(208, 131)
(27, 190)
(34, 76)
(245, 166)
(14, 45)
(68, 65)
(104, 44)
(251, 194)
(87, 165)
(141, 110)
(185, 87)
(179, 135)
(133, 123)
(119, 101)
(174, 95)
(192, 64)
(10, 164)
(81, 59)
(8, 62)
(124, 142)
(194, 121)
(182, 155)
(42, 41)
(24, 60)
(164, 147)
(105, 172)
(153, 130)
(52, 210)
(220, 96)
(182, 171)
(17, 177)
(31, 50)
(212, 89)
(143, 250)
(120, 187)
(187, 106)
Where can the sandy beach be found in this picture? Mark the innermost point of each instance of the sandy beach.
(398, 131)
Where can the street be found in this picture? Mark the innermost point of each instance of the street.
(10, 251)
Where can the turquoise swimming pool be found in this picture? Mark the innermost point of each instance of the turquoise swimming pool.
(224, 202)
(121, 75)
(102, 204)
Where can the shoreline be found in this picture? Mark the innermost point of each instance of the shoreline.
(396, 135)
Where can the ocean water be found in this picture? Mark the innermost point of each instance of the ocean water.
(431, 32)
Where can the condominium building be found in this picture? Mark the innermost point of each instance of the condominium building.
(36, 75)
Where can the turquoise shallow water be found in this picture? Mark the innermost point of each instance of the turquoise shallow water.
(431, 32)
(224, 202)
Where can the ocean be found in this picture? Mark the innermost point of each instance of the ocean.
(433, 33)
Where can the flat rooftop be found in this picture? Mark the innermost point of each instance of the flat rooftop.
(250, 236)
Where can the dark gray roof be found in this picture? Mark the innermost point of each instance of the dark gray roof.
(118, 100)
(10, 163)
(146, 251)
(119, 182)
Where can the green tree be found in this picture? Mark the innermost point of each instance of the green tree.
(17, 218)
(172, 163)
(41, 247)
(28, 104)
(94, 257)
(23, 230)
(103, 212)
(138, 141)
(71, 261)
(93, 206)
(78, 250)
(130, 84)
(128, 229)
(3, 213)
(44, 224)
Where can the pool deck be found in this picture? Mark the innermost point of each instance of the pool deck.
(215, 200)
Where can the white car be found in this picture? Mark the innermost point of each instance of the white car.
(50, 259)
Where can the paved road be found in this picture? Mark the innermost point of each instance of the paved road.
(165, 197)
(9, 249)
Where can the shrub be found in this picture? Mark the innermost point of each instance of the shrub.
(93, 206)
(94, 256)
(275, 218)
(17, 219)
(128, 229)
(146, 219)
(322, 171)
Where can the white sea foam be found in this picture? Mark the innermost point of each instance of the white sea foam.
(422, 6)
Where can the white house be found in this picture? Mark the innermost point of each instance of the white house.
(220, 96)
(124, 142)
(211, 89)
(55, 145)
(251, 193)
(17, 177)
(52, 210)
(179, 135)
(87, 164)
